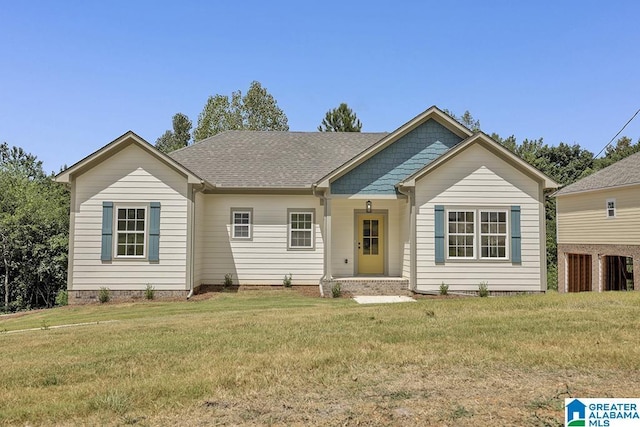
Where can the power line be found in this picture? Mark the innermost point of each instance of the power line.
(616, 135)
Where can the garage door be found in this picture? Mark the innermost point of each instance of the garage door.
(579, 279)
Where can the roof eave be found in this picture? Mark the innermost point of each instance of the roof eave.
(115, 146)
(559, 193)
(298, 189)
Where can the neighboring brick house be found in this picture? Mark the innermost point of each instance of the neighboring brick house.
(598, 230)
(428, 203)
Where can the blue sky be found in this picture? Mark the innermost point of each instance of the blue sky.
(74, 75)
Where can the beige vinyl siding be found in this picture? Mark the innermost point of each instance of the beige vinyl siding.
(265, 259)
(582, 218)
(474, 179)
(131, 176)
(344, 238)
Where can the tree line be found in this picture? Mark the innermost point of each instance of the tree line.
(34, 232)
(255, 110)
(34, 210)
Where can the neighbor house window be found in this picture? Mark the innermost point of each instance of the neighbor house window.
(241, 221)
(493, 234)
(611, 208)
(300, 229)
(461, 234)
(130, 229)
(477, 234)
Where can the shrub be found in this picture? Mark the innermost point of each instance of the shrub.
(444, 289)
(150, 292)
(286, 282)
(104, 295)
(228, 280)
(336, 290)
(552, 277)
(483, 289)
(62, 298)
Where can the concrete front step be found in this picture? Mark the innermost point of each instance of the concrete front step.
(368, 286)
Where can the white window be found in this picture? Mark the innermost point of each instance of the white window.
(611, 208)
(300, 229)
(130, 228)
(493, 234)
(461, 234)
(241, 221)
(477, 234)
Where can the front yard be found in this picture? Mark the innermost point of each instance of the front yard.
(279, 358)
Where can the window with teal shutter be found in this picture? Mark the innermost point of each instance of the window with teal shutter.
(439, 233)
(107, 231)
(516, 240)
(154, 231)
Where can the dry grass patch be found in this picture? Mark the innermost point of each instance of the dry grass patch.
(278, 358)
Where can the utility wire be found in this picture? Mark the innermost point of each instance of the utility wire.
(616, 135)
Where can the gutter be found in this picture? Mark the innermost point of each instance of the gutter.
(458, 294)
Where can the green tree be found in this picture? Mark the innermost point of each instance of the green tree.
(179, 137)
(341, 119)
(466, 119)
(34, 224)
(624, 147)
(256, 110)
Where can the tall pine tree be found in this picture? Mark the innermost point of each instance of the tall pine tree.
(341, 119)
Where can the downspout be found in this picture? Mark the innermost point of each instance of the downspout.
(192, 263)
(323, 197)
(413, 242)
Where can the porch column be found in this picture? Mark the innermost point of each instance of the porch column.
(327, 239)
(413, 241)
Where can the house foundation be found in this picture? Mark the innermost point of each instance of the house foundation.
(91, 296)
(368, 286)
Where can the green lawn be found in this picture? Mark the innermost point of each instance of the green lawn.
(279, 358)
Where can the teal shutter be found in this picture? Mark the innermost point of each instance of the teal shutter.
(107, 231)
(516, 239)
(439, 233)
(154, 231)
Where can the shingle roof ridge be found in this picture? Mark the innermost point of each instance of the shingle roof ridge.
(623, 172)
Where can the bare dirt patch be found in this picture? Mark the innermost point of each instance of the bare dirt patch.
(409, 397)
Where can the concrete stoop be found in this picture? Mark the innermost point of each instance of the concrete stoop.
(368, 286)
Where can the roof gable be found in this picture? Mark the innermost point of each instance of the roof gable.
(117, 145)
(432, 113)
(622, 173)
(493, 147)
(380, 173)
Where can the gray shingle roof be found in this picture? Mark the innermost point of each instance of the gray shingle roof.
(623, 172)
(270, 159)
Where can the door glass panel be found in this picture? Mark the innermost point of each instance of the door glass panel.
(374, 246)
(370, 236)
